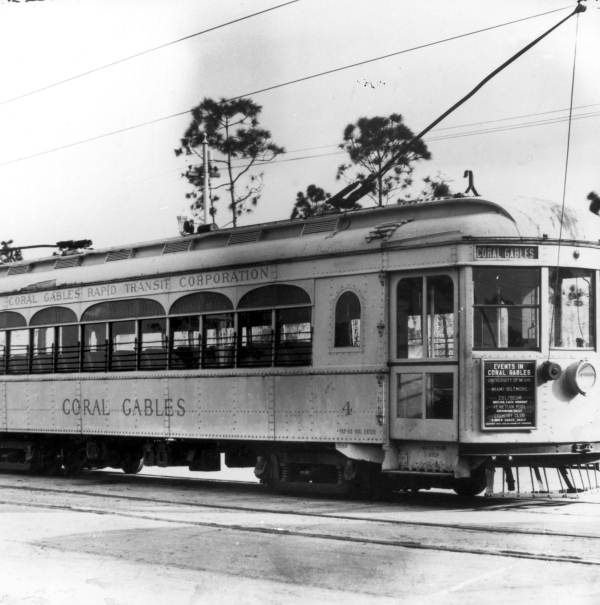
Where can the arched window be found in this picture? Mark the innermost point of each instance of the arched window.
(55, 345)
(277, 295)
(201, 302)
(122, 309)
(276, 328)
(17, 362)
(10, 319)
(117, 335)
(347, 321)
(53, 316)
(202, 333)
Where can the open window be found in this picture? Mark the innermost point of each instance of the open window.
(55, 340)
(274, 327)
(124, 335)
(8, 320)
(219, 340)
(202, 331)
(506, 307)
(153, 343)
(18, 351)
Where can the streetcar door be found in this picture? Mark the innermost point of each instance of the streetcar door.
(424, 356)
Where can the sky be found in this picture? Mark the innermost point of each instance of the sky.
(128, 187)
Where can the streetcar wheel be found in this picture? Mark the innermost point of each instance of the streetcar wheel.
(132, 464)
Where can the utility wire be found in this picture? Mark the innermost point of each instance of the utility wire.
(440, 138)
(94, 138)
(481, 123)
(356, 190)
(565, 176)
(142, 53)
(181, 113)
(447, 137)
(394, 54)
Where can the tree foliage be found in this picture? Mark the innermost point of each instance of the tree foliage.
(371, 143)
(237, 144)
(438, 187)
(315, 202)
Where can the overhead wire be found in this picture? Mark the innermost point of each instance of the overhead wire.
(443, 137)
(394, 54)
(287, 83)
(142, 53)
(565, 179)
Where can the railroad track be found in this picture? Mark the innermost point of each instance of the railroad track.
(499, 540)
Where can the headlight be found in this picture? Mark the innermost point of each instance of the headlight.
(581, 377)
(585, 377)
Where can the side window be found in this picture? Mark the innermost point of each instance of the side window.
(255, 338)
(573, 308)
(219, 341)
(347, 321)
(94, 347)
(274, 327)
(18, 351)
(68, 349)
(294, 336)
(409, 317)
(185, 342)
(153, 344)
(3, 350)
(425, 395)
(123, 341)
(43, 350)
(425, 317)
(506, 308)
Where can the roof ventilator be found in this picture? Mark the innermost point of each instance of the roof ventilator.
(385, 230)
(244, 237)
(123, 254)
(325, 225)
(66, 262)
(177, 246)
(41, 285)
(19, 269)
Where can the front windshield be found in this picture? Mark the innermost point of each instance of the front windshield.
(506, 309)
(572, 306)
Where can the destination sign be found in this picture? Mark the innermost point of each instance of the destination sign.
(506, 252)
(509, 395)
(177, 283)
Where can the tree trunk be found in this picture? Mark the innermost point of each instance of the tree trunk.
(230, 174)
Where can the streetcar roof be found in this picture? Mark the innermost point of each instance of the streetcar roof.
(407, 225)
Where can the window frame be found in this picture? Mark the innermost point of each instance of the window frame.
(594, 310)
(361, 333)
(453, 275)
(102, 320)
(538, 308)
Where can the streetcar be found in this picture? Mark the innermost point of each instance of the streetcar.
(411, 346)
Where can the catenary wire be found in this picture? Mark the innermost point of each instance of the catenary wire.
(181, 113)
(565, 176)
(394, 54)
(446, 137)
(141, 53)
(480, 123)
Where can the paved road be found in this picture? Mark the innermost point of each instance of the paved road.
(110, 539)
